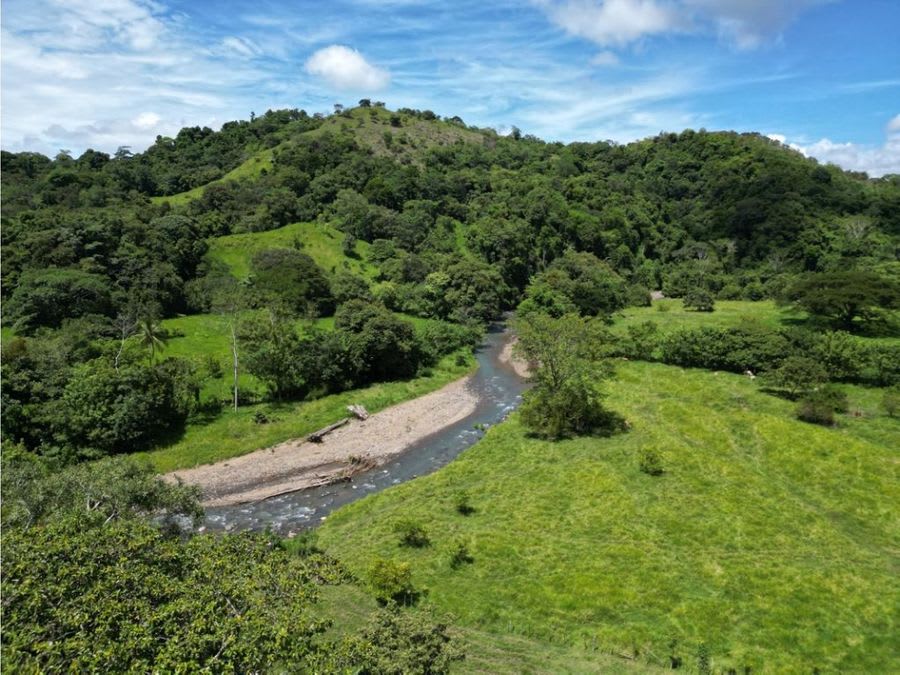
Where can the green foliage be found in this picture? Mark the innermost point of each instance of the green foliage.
(398, 643)
(391, 581)
(845, 297)
(820, 405)
(753, 505)
(699, 299)
(462, 504)
(569, 353)
(95, 493)
(123, 597)
(460, 555)
(890, 401)
(796, 375)
(48, 297)
(104, 411)
(650, 462)
(283, 275)
(411, 533)
(576, 280)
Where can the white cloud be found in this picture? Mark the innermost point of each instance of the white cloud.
(146, 120)
(613, 22)
(876, 161)
(345, 68)
(617, 23)
(749, 23)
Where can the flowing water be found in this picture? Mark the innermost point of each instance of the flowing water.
(499, 391)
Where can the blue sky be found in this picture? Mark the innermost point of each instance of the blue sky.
(821, 75)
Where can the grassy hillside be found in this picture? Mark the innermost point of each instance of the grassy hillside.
(252, 167)
(408, 141)
(770, 542)
(670, 315)
(323, 242)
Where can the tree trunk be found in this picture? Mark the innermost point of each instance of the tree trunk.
(234, 361)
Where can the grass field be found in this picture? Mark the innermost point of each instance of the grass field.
(320, 241)
(669, 315)
(770, 542)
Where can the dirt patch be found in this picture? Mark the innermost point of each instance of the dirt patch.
(360, 445)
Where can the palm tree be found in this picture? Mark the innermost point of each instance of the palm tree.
(152, 336)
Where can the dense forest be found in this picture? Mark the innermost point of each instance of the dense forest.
(440, 228)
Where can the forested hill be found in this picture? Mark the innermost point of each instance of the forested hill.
(431, 194)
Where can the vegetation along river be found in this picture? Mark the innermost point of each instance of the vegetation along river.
(498, 389)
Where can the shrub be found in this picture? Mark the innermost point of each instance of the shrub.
(573, 409)
(890, 401)
(460, 555)
(391, 580)
(462, 504)
(699, 299)
(637, 295)
(733, 349)
(640, 342)
(796, 375)
(650, 462)
(412, 534)
(818, 407)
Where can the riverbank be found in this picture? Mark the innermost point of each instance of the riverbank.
(509, 357)
(359, 446)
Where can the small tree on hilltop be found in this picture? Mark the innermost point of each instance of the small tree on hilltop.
(568, 355)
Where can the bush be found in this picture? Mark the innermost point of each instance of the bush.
(650, 462)
(573, 409)
(637, 295)
(819, 406)
(699, 299)
(438, 338)
(459, 555)
(391, 581)
(733, 349)
(796, 375)
(640, 342)
(890, 401)
(462, 504)
(412, 534)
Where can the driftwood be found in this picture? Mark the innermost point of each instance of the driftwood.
(316, 436)
(358, 411)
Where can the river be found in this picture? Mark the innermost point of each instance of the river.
(498, 389)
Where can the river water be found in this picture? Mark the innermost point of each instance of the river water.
(498, 389)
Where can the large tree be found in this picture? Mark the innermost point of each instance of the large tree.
(568, 357)
(846, 299)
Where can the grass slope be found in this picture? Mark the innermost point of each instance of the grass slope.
(320, 241)
(252, 167)
(771, 542)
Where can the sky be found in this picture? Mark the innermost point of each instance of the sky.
(820, 75)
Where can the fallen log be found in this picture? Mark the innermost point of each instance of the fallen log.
(358, 411)
(316, 436)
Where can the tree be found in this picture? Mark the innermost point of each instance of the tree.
(796, 375)
(580, 280)
(568, 357)
(293, 279)
(49, 296)
(845, 297)
(152, 336)
(699, 298)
